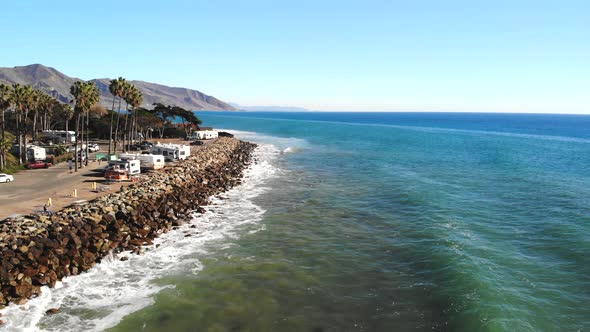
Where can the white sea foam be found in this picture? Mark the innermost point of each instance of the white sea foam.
(100, 298)
(280, 142)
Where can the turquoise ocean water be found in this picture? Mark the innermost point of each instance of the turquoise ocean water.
(368, 222)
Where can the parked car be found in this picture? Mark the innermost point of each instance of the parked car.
(38, 164)
(93, 147)
(6, 178)
(80, 148)
(132, 147)
(196, 143)
(145, 145)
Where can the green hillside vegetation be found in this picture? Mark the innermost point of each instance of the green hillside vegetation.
(12, 164)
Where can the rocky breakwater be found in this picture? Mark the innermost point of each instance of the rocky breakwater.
(40, 250)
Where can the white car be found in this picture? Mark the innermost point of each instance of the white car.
(93, 147)
(6, 178)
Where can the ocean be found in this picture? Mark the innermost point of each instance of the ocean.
(364, 222)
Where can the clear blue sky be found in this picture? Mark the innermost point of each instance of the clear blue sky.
(410, 55)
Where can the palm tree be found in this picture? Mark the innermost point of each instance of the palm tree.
(23, 101)
(5, 103)
(128, 91)
(120, 92)
(86, 94)
(135, 99)
(40, 101)
(48, 105)
(113, 89)
(132, 95)
(68, 112)
(31, 105)
(5, 145)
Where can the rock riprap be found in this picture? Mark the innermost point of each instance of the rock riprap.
(41, 250)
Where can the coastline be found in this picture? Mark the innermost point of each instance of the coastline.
(41, 250)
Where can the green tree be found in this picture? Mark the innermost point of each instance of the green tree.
(136, 100)
(67, 112)
(41, 101)
(48, 106)
(127, 92)
(188, 118)
(5, 103)
(24, 100)
(115, 90)
(86, 94)
(147, 121)
(5, 145)
(121, 88)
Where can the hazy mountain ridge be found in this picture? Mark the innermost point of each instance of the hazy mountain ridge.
(270, 108)
(58, 85)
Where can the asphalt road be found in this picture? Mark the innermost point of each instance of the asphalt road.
(31, 189)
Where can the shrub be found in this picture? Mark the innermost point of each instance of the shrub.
(63, 157)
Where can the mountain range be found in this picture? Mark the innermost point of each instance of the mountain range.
(270, 108)
(57, 84)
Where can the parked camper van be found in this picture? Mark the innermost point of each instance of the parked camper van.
(122, 169)
(204, 134)
(147, 161)
(172, 152)
(36, 153)
(59, 136)
(33, 152)
(131, 166)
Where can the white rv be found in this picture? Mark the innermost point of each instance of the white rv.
(59, 136)
(36, 153)
(172, 152)
(205, 134)
(147, 161)
(130, 167)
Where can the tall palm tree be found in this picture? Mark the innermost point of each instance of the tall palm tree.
(23, 100)
(113, 89)
(5, 145)
(31, 105)
(68, 112)
(131, 93)
(135, 99)
(120, 92)
(48, 105)
(86, 94)
(126, 95)
(5, 103)
(40, 100)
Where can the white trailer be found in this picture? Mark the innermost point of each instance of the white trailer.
(36, 153)
(147, 161)
(59, 136)
(131, 167)
(172, 152)
(204, 134)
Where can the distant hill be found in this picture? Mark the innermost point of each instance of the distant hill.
(58, 85)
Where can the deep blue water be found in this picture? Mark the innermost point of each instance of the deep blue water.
(363, 222)
(432, 220)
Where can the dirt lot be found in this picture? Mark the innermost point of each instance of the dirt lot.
(32, 189)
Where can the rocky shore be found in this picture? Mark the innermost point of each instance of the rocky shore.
(41, 250)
